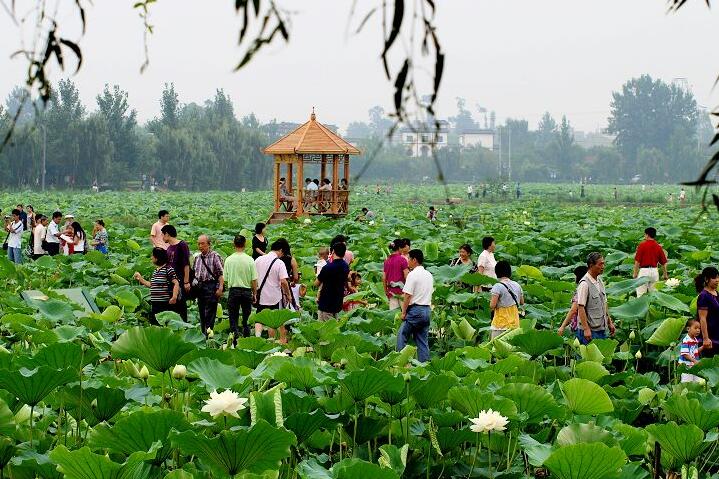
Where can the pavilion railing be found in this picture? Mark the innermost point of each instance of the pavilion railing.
(319, 202)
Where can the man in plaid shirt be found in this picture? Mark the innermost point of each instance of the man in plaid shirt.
(210, 281)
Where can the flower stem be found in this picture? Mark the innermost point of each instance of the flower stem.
(489, 451)
(474, 458)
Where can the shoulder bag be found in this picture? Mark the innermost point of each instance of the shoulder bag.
(264, 280)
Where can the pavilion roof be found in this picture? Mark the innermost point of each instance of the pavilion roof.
(311, 138)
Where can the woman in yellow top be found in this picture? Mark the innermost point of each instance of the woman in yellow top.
(507, 298)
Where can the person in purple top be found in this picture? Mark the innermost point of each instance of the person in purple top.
(395, 273)
(178, 255)
(708, 309)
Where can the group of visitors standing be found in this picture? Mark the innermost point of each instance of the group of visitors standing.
(48, 236)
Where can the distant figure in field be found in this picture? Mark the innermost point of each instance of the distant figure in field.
(616, 194)
(394, 274)
(572, 317)
(14, 227)
(484, 190)
(581, 191)
(649, 254)
(486, 263)
(670, 199)
(286, 195)
(470, 190)
(99, 237)
(432, 214)
(259, 241)
(518, 190)
(366, 215)
(156, 236)
(682, 197)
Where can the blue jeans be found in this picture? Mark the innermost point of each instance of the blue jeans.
(14, 255)
(416, 325)
(595, 335)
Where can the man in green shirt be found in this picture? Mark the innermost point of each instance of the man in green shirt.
(241, 282)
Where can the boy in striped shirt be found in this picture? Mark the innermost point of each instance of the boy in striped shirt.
(691, 349)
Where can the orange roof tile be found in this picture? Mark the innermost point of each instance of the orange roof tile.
(311, 138)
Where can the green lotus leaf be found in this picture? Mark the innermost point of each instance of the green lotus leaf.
(360, 385)
(670, 302)
(533, 400)
(7, 420)
(668, 332)
(273, 318)
(55, 310)
(585, 461)
(646, 395)
(584, 433)
(536, 451)
(536, 342)
(633, 309)
(257, 449)
(127, 299)
(32, 386)
(633, 440)
(359, 469)
(62, 356)
(586, 398)
(433, 390)
(214, 373)
(139, 431)
(684, 442)
(529, 271)
(267, 406)
(84, 464)
(311, 469)
(471, 401)
(159, 348)
(463, 330)
(619, 288)
(590, 370)
(300, 373)
(304, 424)
(702, 410)
(591, 352)
(111, 314)
(607, 347)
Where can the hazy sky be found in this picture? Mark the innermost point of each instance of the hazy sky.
(517, 57)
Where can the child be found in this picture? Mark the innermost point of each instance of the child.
(322, 256)
(354, 281)
(572, 316)
(432, 214)
(691, 349)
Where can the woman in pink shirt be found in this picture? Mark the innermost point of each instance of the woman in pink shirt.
(395, 273)
(349, 255)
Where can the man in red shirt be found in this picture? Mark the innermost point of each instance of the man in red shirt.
(649, 255)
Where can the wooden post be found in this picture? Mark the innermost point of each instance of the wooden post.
(335, 181)
(289, 174)
(276, 183)
(323, 169)
(300, 185)
(347, 170)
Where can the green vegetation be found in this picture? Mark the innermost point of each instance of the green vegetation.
(96, 396)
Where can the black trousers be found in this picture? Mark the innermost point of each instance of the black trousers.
(158, 307)
(239, 298)
(207, 304)
(53, 249)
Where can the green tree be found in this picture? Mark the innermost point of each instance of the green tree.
(169, 106)
(565, 148)
(121, 122)
(546, 130)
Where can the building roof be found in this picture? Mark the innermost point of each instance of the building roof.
(478, 131)
(311, 138)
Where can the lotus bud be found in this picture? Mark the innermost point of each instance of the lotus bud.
(131, 369)
(210, 333)
(224, 346)
(701, 381)
(396, 233)
(307, 221)
(673, 344)
(179, 371)
(638, 355)
(371, 223)
(93, 404)
(632, 335)
(144, 373)
(407, 377)
(576, 343)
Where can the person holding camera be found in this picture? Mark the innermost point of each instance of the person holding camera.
(13, 242)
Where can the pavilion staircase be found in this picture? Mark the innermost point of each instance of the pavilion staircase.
(280, 216)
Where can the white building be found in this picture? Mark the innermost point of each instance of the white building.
(420, 139)
(481, 137)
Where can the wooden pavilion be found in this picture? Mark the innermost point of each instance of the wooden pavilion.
(311, 143)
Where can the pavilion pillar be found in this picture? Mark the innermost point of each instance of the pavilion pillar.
(323, 169)
(347, 169)
(300, 185)
(276, 183)
(289, 174)
(335, 182)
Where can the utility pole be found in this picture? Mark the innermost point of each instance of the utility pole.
(509, 160)
(44, 154)
(499, 132)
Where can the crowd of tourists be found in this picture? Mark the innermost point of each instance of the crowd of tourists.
(47, 236)
(260, 276)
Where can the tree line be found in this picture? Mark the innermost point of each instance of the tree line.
(659, 134)
(189, 146)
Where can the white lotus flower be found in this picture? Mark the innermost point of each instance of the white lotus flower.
(443, 225)
(279, 354)
(672, 283)
(525, 212)
(227, 402)
(371, 223)
(144, 372)
(638, 355)
(488, 421)
(307, 221)
(527, 223)
(179, 371)
(210, 333)
(396, 233)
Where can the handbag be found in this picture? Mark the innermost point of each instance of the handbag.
(262, 285)
(5, 245)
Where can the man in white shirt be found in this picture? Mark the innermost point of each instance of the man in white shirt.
(273, 286)
(52, 237)
(417, 291)
(14, 228)
(156, 236)
(38, 235)
(486, 261)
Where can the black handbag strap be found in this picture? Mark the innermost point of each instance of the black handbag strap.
(212, 273)
(511, 293)
(264, 280)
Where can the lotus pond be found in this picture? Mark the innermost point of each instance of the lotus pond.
(104, 395)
